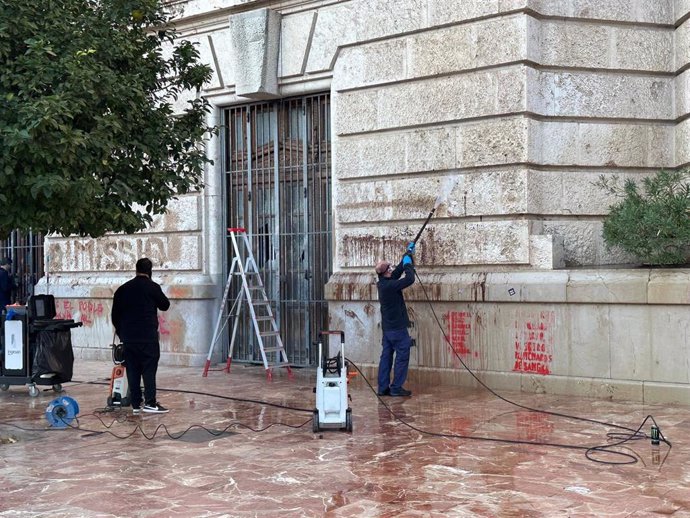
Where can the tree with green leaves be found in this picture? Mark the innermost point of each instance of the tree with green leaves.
(651, 222)
(89, 140)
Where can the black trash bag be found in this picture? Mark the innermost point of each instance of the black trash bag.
(53, 355)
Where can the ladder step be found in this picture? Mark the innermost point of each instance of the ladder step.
(270, 333)
(263, 319)
(279, 364)
(260, 303)
(272, 349)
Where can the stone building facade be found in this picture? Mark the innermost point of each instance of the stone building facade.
(503, 113)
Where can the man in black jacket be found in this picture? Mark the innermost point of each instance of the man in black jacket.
(394, 323)
(7, 283)
(135, 317)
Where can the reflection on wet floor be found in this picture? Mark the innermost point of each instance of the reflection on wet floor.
(447, 451)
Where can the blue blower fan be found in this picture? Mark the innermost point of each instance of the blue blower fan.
(61, 412)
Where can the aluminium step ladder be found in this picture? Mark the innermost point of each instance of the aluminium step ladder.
(253, 295)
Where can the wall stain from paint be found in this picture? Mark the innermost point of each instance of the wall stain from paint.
(363, 250)
(353, 315)
(369, 310)
(479, 287)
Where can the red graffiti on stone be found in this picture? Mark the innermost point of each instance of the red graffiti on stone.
(91, 307)
(534, 343)
(86, 311)
(63, 309)
(459, 327)
(163, 325)
(89, 311)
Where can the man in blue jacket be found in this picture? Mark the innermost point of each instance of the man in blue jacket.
(394, 322)
(135, 317)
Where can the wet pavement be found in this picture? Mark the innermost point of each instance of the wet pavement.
(449, 452)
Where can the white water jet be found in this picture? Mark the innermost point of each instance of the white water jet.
(445, 190)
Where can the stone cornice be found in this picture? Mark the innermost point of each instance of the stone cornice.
(197, 15)
(598, 286)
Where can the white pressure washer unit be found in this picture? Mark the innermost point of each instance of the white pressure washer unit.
(118, 392)
(332, 410)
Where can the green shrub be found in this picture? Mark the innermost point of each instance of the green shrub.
(652, 223)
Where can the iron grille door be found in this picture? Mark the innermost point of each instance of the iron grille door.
(278, 187)
(25, 249)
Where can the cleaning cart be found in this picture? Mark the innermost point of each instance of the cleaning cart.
(36, 347)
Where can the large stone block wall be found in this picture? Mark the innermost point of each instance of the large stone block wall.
(519, 92)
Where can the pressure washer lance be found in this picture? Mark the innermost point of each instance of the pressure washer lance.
(424, 225)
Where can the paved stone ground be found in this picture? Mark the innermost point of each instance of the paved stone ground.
(448, 453)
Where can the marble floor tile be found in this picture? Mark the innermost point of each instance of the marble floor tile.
(444, 452)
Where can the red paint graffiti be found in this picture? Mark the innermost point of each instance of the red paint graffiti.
(87, 311)
(534, 344)
(88, 306)
(459, 327)
(163, 325)
(63, 309)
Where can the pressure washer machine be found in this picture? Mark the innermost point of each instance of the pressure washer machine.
(332, 410)
(118, 394)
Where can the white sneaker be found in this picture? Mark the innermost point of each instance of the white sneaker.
(136, 411)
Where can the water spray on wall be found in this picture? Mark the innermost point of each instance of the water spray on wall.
(446, 188)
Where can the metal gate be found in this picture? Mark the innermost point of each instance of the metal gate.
(277, 162)
(26, 252)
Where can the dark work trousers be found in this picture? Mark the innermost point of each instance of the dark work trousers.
(141, 361)
(398, 342)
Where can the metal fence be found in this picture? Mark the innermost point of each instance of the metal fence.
(278, 187)
(25, 249)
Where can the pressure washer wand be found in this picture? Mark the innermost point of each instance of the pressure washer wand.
(424, 225)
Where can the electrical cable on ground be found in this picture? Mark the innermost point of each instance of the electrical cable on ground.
(164, 427)
(210, 394)
(589, 450)
(153, 435)
(629, 459)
